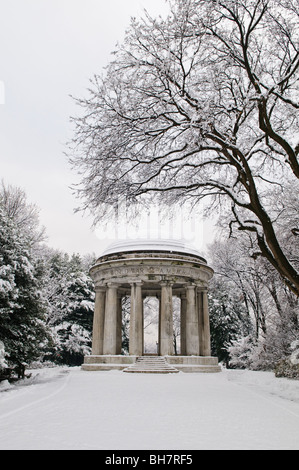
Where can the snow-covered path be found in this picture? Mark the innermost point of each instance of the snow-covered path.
(73, 409)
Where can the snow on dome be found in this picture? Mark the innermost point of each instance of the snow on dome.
(170, 245)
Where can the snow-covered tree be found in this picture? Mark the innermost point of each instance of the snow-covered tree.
(201, 104)
(70, 296)
(229, 319)
(272, 308)
(25, 215)
(46, 297)
(3, 363)
(23, 328)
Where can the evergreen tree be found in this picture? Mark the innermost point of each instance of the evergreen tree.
(228, 318)
(70, 296)
(22, 311)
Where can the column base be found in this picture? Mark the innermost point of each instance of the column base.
(181, 363)
(107, 362)
(194, 363)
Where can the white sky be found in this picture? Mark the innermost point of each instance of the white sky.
(49, 51)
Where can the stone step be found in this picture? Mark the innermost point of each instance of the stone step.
(151, 364)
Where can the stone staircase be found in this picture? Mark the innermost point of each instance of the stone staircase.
(151, 364)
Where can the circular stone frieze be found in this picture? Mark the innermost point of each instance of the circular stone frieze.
(151, 262)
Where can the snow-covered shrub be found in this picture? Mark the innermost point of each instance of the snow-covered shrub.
(261, 354)
(285, 368)
(295, 352)
(261, 357)
(289, 367)
(240, 353)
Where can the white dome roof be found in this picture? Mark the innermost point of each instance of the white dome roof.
(178, 246)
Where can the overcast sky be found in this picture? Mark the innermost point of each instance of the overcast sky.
(49, 51)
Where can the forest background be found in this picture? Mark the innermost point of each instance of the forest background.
(47, 302)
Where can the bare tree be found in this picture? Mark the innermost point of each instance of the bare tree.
(14, 201)
(201, 104)
(257, 283)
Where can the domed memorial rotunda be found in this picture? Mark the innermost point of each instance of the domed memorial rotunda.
(151, 268)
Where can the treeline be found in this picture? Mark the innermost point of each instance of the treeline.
(47, 301)
(46, 296)
(254, 315)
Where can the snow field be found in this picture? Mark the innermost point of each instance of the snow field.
(71, 409)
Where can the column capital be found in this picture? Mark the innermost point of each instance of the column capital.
(100, 288)
(113, 285)
(202, 289)
(166, 283)
(136, 283)
(190, 286)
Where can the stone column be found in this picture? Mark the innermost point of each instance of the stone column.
(200, 321)
(166, 321)
(136, 320)
(110, 342)
(98, 322)
(205, 335)
(192, 336)
(159, 326)
(119, 325)
(183, 325)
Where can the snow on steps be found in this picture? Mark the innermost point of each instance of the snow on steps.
(151, 364)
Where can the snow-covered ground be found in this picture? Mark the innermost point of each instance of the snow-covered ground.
(64, 408)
